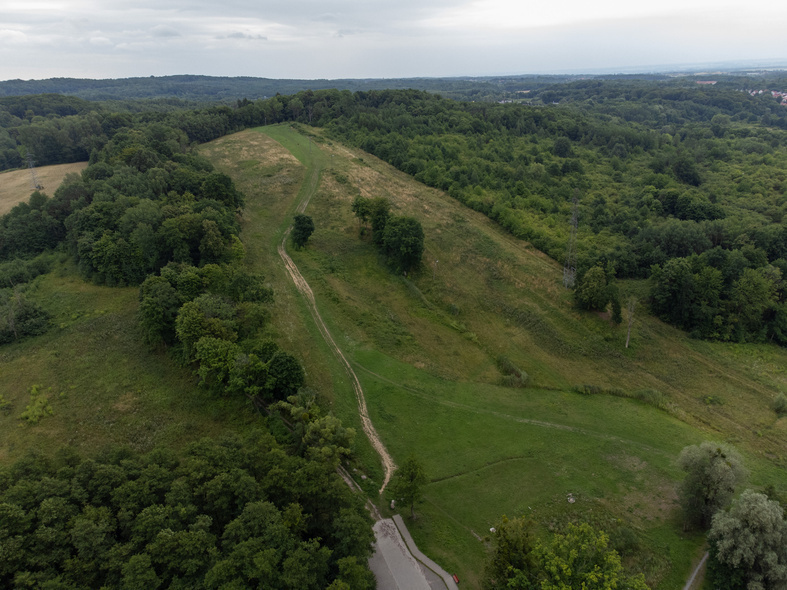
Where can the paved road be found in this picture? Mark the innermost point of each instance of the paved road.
(399, 565)
(393, 565)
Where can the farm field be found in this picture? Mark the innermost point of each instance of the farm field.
(426, 348)
(15, 186)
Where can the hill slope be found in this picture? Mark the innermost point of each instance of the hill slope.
(426, 348)
(15, 185)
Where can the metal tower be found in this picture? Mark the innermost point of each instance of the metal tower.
(34, 184)
(570, 267)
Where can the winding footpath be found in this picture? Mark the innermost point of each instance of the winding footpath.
(303, 287)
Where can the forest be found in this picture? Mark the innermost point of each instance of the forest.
(148, 212)
(676, 182)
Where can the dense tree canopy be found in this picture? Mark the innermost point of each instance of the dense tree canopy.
(220, 515)
(579, 559)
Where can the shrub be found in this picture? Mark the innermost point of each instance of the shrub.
(780, 405)
(513, 376)
(38, 408)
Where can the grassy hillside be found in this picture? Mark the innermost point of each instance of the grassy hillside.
(15, 185)
(426, 346)
(103, 385)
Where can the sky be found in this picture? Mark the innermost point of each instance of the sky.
(330, 39)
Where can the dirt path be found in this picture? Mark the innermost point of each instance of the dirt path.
(311, 183)
(690, 584)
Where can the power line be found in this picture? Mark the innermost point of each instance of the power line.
(34, 184)
(570, 267)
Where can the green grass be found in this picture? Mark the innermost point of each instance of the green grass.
(103, 385)
(425, 348)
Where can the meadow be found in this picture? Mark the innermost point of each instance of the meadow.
(102, 385)
(15, 185)
(426, 347)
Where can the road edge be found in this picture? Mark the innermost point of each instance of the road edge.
(448, 580)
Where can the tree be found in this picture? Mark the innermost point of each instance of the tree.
(592, 292)
(302, 228)
(513, 542)
(749, 544)
(579, 559)
(403, 242)
(713, 471)
(408, 482)
(379, 212)
(159, 303)
(362, 208)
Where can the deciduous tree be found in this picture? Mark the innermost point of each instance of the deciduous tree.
(408, 482)
(302, 229)
(749, 545)
(713, 472)
(403, 242)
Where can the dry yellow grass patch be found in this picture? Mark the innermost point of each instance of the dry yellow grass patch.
(15, 186)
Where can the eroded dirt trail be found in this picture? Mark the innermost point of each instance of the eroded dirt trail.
(311, 183)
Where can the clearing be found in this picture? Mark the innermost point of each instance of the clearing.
(15, 185)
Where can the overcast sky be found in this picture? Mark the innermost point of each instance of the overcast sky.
(378, 38)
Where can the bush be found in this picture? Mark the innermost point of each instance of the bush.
(780, 405)
(513, 376)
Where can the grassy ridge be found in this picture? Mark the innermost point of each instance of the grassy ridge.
(425, 348)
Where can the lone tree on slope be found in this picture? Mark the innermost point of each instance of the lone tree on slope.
(408, 482)
(302, 228)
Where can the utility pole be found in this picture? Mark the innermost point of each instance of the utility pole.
(34, 184)
(570, 267)
(434, 270)
(632, 302)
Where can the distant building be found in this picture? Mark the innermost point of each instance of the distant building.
(707, 82)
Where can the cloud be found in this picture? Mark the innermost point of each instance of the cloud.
(164, 31)
(375, 38)
(341, 33)
(11, 36)
(241, 35)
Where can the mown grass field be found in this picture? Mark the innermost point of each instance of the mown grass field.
(15, 185)
(425, 348)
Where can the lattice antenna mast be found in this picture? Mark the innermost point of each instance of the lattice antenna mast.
(570, 267)
(34, 184)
